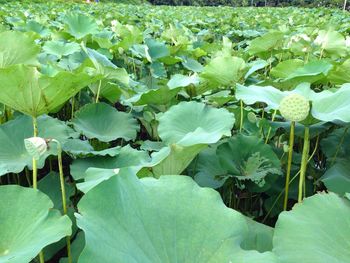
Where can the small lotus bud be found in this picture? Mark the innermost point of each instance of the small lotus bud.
(252, 117)
(114, 22)
(35, 146)
(294, 107)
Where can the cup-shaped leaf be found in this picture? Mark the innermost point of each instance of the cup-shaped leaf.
(190, 123)
(80, 25)
(25, 89)
(102, 121)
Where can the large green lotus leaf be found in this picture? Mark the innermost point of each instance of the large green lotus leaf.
(60, 48)
(190, 123)
(311, 72)
(25, 89)
(337, 178)
(111, 86)
(340, 73)
(337, 145)
(78, 148)
(259, 237)
(102, 121)
(252, 94)
(224, 71)
(272, 96)
(17, 48)
(248, 158)
(285, 68)
(334, 107)
(179, 80)
(208, 169)
(79, 166)
(173, 159)
(332, 42)
(13, 155)
(160, 96)
(156, 49)
(127, 157)
(266, 42)
(255, 66)
(192, 64)
(80, 25)
(50, 185)
(316, 230)
(28, 223)
(192, 223)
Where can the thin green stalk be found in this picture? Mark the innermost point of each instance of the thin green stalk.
(41, 257)
(73, 107)
(63, 193)
(98, 90)
(289, 164)
(241, 121)
(304, 161)
(291, 181)
(35, 175)
(269, 131)
(35, 168)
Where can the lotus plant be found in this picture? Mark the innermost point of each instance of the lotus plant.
(295, 108)
(36, 147)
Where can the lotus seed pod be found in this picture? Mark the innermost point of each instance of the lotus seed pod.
(252, 117)
(294, 107)
(35, 146)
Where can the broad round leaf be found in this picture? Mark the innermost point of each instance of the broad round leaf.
(13, 155)
(157, 221)
(190, 123)
(25, 89)
(17, 48)
(28, 223)
(102, 121)
(316, 230)
(80, 25)
(224, 71)
(248, 158)
(334, 107)
(60, 48)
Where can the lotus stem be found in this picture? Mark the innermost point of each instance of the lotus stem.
(291, 180)
(304, 161)
(269, 131)
(289, 164)
(63, 193)
(73, 107)
(35, 168)
(35, 176)
(241, 121)
(98, 91)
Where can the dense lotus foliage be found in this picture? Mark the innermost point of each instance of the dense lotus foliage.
(143, 134)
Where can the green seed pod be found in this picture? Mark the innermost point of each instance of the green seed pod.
(294, 107)
(252, 117)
